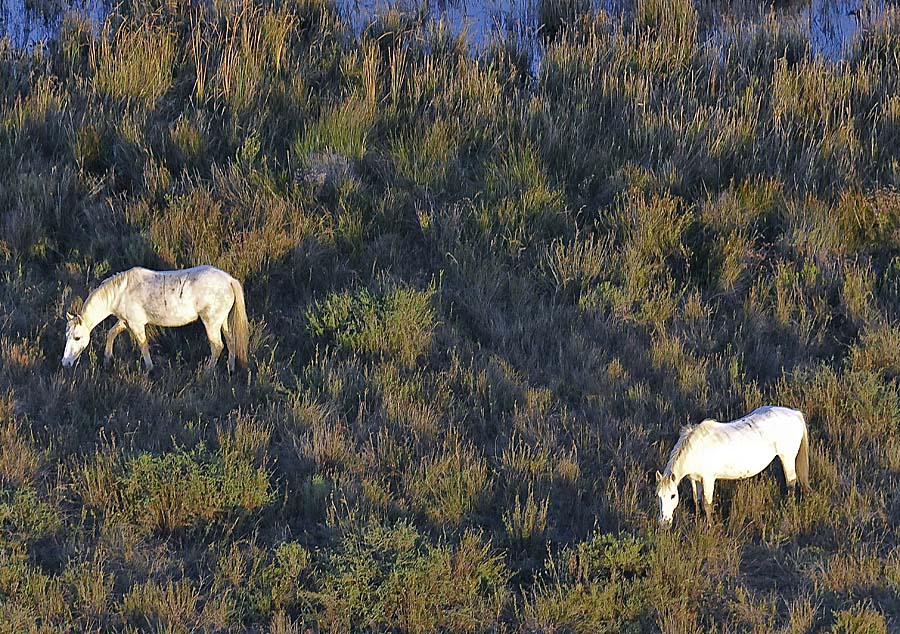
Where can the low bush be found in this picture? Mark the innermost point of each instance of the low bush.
(396, 322)
(389, 577)
(173, 491)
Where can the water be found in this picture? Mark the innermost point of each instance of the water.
(28, 23)
(830, 24)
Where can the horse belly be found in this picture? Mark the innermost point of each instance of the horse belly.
(172, 315)
(745, 463)
(175, 320)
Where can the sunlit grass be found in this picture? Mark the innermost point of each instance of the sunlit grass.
(486, 291)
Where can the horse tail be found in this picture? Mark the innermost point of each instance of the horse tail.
(238, 324)
(802, 461)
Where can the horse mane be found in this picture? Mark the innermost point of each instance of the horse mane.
(112, 284)
(684, 441)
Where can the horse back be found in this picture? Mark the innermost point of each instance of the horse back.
(781, 423)
(744, 447)
(176, 297)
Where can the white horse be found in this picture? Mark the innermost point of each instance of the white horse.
(731, 451)
(140, 296)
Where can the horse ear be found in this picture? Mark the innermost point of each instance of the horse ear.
(658, 476)
(672, 477)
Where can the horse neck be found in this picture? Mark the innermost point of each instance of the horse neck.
(680, 462)
(678, 467)
(98, 305)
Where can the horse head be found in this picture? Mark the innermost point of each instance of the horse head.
(667, 495)
(78, 336)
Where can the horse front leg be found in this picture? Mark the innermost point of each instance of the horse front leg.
(114, 332)
(708, 488)
(139, 332)
(697, 493)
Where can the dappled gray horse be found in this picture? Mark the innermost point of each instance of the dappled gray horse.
(731, 451)
(140, 296)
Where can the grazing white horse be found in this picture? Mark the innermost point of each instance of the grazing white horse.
(140, 296)
(731, 451)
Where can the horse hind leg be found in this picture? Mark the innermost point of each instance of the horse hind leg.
(790, 474)
(229, 342)
(214, 334)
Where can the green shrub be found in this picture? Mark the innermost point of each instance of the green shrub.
(26, 517)
(600, 585)
(523, 204)
(253, 46)
(868, 221)
(188, 143)
(20, 457)
(90, 148)
(555, 16)
(576, 266)
(343, 130)
(652, 259)
(396, 322)
(32, 599)
(169, 606)
(429, 160)
(205, 224)
(35, 119)
(526, 522)
(862, 618)
(668, 33)
(451, 485)
(877, 350)
(174, 491)
(279, 585)
(390, 578)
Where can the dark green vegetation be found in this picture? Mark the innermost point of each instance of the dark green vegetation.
(483, 303)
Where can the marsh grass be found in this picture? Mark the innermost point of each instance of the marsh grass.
(383, 575)
(20, 458)
(452, 485)
(134, 62)
(175, 491)
(397, 322)
(598, 585)
(485, 297)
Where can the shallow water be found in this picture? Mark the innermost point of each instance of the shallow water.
(27, 23)
(830, 24)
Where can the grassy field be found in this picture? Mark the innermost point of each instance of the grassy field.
(483, 303)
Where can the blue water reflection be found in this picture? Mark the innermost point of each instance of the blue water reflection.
(27, 23)
(829, 24)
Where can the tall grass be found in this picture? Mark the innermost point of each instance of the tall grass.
(134, 62)
(484, 296)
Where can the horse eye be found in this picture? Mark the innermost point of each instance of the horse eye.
(673, 496)
(77, 338)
